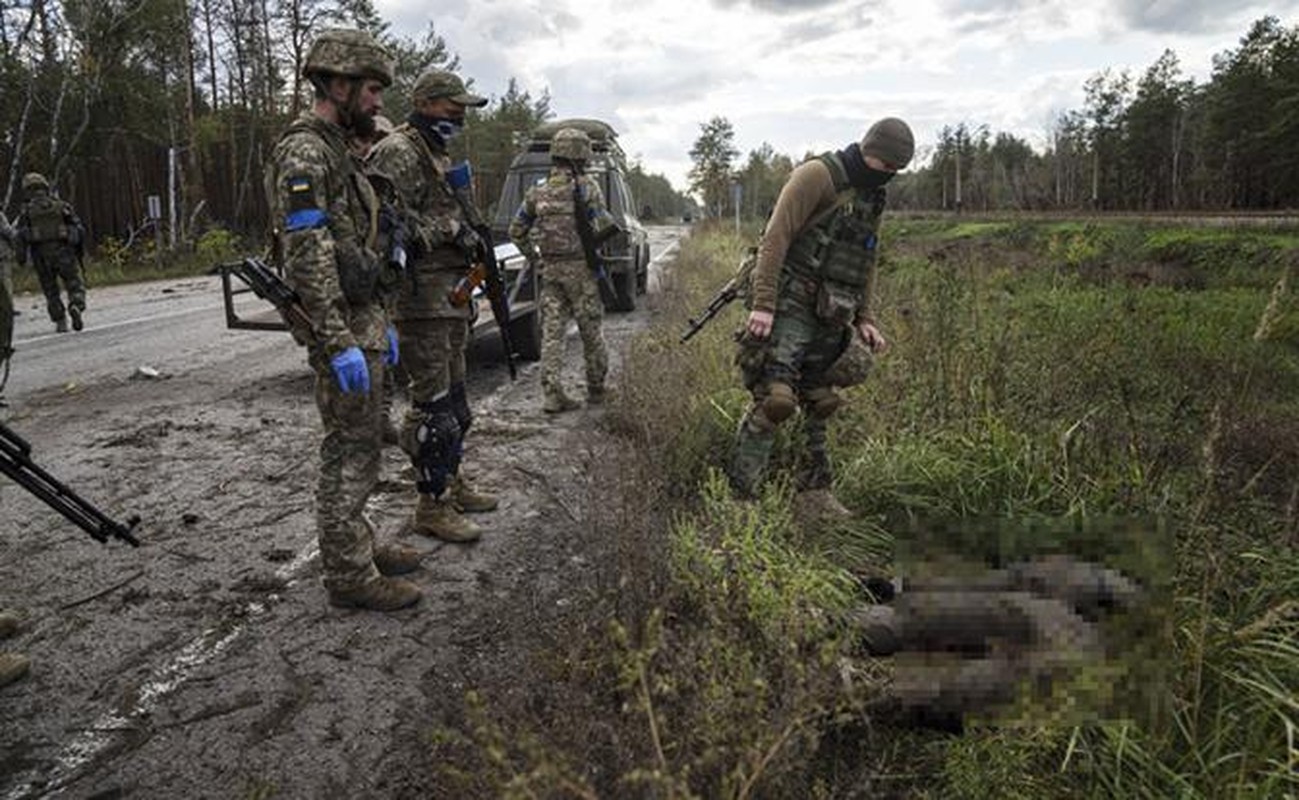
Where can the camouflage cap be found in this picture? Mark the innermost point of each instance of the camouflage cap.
(442, 83)
(34, 180)
(351, 53)
(890, 141)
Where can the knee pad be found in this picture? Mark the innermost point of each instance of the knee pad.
(822, 402)
(460, 407)
(779, 403)
(437, 446)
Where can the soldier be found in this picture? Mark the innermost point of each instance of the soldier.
(7, 237)
(434, 332)
(327, 219)
(810, 301)
(545, 230)
(52, 235)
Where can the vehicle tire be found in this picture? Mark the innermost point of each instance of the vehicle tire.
(525, 335)
(624, 286)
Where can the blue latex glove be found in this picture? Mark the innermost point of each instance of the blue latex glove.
(351, 371)
(390, 355)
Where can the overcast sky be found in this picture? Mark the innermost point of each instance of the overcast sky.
(809, 75)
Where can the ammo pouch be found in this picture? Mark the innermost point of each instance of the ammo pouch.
(835, 303)
(358, 273)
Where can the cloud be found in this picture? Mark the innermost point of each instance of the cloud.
(1179, 16)
(776, 6)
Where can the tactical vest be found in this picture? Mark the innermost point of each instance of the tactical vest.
(359, 268)
(830, 262)
(555, 229)
(439, 201)
(46, 219)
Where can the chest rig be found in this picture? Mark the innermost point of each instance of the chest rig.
(555, 231)
(829, 263)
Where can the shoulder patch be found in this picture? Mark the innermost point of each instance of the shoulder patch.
(298, 183)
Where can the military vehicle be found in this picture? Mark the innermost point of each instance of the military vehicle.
(626, 256)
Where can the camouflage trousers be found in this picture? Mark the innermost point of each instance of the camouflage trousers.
(569, 291)
(56, 263)
(799, 351)
(433, 354)
(349, 470)
(6, 312)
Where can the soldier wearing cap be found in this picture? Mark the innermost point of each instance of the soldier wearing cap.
(434, 332)
(810, 303)
(326, 218)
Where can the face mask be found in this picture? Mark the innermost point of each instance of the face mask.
(875, 178)
(447, 128)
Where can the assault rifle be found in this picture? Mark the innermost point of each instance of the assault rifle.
(269, 286)
(590, 241)
(483, 262)
(723, 298)
(16, 462)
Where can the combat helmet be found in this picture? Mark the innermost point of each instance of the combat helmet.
(571, 144)
(33, 181)
(853, 364)
(351, 53)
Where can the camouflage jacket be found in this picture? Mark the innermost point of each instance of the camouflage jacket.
(47, 223)
(433, 217)
(545, 225)
(326, 215)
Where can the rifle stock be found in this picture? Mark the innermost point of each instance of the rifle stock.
(16, 462)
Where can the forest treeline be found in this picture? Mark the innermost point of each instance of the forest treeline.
(1154, 142)
(117, 100)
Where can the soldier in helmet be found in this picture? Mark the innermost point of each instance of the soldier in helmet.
(545, 230)
(441, 242)
(326, 217)
(51, 234)
(810, 302)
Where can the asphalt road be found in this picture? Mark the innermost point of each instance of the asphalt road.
(171, 327)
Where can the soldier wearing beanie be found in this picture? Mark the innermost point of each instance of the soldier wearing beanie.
(810, 303)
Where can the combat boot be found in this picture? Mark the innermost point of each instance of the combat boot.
(469, 500)
(819, 506)
(75, 313)
(558, 402)
(12, 667)
(382, 594)
(61, 325)
(439, 519)
(10, 624)
(396, 559)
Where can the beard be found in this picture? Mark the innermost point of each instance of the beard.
(362, 124)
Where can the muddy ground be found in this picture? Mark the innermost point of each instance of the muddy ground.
(207, 663)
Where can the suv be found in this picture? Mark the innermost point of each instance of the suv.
(626, 256)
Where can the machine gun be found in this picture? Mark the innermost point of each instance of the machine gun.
(724, 296)
(590, 240)
(482, 263)
(269, 286)
(16, 462)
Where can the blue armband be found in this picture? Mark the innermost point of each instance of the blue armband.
(305, 219)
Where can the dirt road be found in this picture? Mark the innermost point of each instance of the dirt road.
(207, 663)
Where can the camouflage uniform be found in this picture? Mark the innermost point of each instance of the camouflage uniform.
(327, 231)
(545, 227)
(50, 232)
(815, 272)
(6, 299)
(434, 334)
